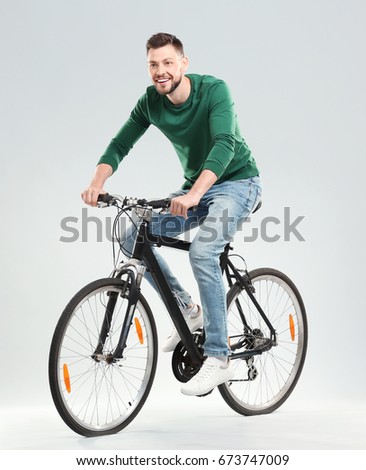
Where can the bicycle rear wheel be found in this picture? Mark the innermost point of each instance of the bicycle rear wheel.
(263, 382)
(95, 397)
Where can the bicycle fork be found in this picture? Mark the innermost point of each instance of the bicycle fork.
(131, 292)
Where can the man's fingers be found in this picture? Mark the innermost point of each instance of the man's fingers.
(90, 196)
(177, 208)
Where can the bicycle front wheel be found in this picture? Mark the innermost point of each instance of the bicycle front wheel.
(264, 381)
(95, 396)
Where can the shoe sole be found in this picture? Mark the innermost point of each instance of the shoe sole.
(205, 392)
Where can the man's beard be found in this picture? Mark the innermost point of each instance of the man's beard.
(174, 86)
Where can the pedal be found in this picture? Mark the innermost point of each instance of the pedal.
(205, 394)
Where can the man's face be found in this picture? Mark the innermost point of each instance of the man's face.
(166, 68)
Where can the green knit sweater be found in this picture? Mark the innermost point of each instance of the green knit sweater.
(203, 130)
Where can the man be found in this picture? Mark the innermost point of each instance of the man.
(196, 113)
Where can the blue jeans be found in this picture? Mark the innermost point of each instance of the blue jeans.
(220, 211)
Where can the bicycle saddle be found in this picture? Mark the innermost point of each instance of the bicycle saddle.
(258, 206)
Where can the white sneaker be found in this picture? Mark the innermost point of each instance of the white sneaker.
(193, 323)
(212, 373)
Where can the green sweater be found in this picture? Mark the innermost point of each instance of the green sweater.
(204, 131)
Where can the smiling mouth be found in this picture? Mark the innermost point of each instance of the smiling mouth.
(162, 80)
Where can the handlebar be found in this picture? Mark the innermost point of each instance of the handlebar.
(108, 200)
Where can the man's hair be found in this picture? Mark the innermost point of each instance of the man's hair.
(163, 39)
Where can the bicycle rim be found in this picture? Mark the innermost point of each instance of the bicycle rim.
(93, 396)
(263, 382)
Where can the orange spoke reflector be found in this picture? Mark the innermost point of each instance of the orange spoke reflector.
(139, 330)
(292, 327)
(67, 378)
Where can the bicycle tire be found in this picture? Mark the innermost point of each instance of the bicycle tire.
(95, 398)
(265, 381)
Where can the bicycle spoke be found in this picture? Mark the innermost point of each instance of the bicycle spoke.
(97, 396)
(262, 383)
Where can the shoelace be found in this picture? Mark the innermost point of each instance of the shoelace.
(206, 371)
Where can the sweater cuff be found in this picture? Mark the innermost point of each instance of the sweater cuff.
(111, 161)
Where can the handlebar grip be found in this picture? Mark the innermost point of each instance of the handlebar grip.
(106, 198)
(159, 203)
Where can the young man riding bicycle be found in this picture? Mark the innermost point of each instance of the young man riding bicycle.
(196, 113)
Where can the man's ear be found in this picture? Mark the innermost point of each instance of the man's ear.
(185, 63)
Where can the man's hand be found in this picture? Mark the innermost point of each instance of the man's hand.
(90, 195)
(180, 205)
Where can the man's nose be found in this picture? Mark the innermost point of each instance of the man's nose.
(160, 69)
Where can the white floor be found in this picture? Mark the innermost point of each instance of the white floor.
(197, 423)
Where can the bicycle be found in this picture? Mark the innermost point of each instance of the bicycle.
(103, 354)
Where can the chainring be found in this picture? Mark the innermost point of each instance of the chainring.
(182, 366)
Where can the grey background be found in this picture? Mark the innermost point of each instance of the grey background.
(70, 73)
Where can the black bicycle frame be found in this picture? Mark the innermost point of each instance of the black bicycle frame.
(143, 251)
(231, 272)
